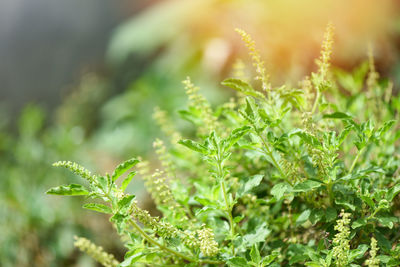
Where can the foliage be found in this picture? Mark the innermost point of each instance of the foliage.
(279, 176)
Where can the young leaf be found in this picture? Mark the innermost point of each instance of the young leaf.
(303, 217)
(127, 180)
(337, 115)
(237, 262)
(242, 86)
(125, 203)
(258, 236)
(98, 207)
(194, 146)
(358, 252)
(279, 190)
(68, 190)
(306, 186)
(306, 137)
(255, 254)
(384, 128)
(236, 135)
(252, 182)
(123, 167)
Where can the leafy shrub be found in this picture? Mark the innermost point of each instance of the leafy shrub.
(281, 176)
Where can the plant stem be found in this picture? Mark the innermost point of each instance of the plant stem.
(316, 102)
(356, 159)
(229, 211)
(269, 153)
(228, 208)
(176, 253)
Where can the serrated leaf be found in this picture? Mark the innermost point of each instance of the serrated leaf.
(127, 180)
(337, 115)
(68, 190)
(331, 214)
(125, 203)
(237, 262)
(305, 137)
(383, 242)
(303, 217)
(251, 183)
(242, 86)
(392, 193)
(384, 128)
(358, 252)
(98, 207)
(359, 223)
(306, 186)
(387, 221)
(123, 167)
(255, 254)
(119, 220)
(279, 190)
(236, 135)
(129, 261)
(316, 215)
(270, 258)
(368, 200)
(346, 203)
(258, 236)
(194, 146)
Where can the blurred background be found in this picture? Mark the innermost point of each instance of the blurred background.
(79, 81)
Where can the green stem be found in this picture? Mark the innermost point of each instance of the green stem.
(229, 211)
(228, 207)
(356, 159)
(176, 253)
(316, 102)
(269, 153)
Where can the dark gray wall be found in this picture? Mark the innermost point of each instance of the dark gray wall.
(46, 44)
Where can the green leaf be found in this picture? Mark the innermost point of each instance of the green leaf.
(392, 193)
(331, 214)
(258, 236)
(194, 146)
(123, 167)
(125, 203)
(346, 203)
(127, 180)
(242, 86)
(316, 215)
(129, 261)
(388, 221)
(270, 258)
(306, 137)
(251, 183)
(306, 186)
(255, 254)
(359, 223)
(98, 207)
(236, 135)
(68, 190)
(238, 219)
(358, 252)
(251, 109)
(119, 220)
(367, 199)
(279, 190)
(384, 128)
(303, 217)
(383, 242)
(237, 262)
(337, 115)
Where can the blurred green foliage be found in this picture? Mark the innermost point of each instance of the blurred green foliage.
(106, 118)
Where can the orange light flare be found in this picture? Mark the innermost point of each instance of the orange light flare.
(289, 33)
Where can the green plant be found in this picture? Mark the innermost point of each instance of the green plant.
(282, 176)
